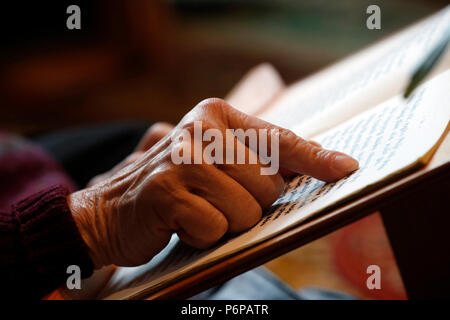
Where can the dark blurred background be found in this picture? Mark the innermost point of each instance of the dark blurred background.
(152, 60)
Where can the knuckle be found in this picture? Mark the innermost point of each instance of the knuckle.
(287, 134)
(289, 140)
(303, 146)
(207, 124)
(255, 216)
(212, 234)
(211, 104)
(187, 125)
(201, 123)
(214, 107)
(160, 182)
(311, 153)
(220, 228)
(324, 157)
(253, 213)
(159, 128)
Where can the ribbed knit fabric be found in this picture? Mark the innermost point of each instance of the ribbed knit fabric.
(38, 241)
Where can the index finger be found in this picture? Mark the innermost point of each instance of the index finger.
(295, 153)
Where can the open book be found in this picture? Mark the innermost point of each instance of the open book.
(354, 106)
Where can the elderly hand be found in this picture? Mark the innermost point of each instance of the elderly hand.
(155, 133)
(129, 217)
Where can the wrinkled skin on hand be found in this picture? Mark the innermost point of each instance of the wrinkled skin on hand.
(128, 215)
(153, 135)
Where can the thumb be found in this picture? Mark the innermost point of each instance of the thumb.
(295, 153)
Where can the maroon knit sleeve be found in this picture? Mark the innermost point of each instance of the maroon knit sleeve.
(38, 241)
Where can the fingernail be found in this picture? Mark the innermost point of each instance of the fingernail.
(345, 163)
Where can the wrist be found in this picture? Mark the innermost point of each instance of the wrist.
(82, 205)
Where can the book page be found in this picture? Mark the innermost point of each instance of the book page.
(361, 81)
(388, 140)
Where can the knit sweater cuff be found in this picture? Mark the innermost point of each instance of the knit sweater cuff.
(50, 236)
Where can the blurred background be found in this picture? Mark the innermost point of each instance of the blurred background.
(153, 60)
